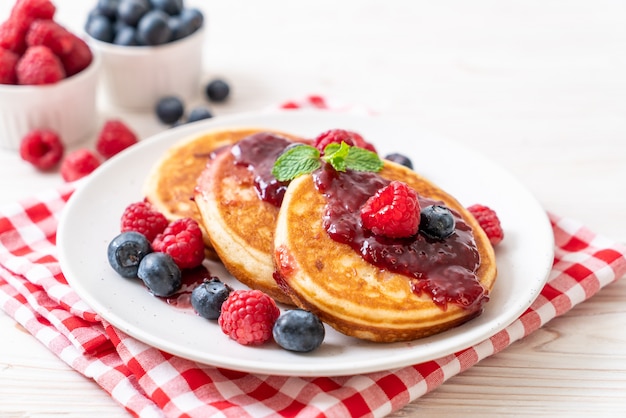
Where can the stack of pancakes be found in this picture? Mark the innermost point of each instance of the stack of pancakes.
(286, 252)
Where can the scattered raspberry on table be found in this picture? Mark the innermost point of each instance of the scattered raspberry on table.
(42, 148)
(79, 164)
(114, 137)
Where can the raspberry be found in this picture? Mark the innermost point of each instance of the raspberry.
(13, 30)
(42, 148)
(39, 65)
(248, 316)
(393, 211)
(341, 135)
(143, 218)
(489, 222)
(290, 105)
(317, 101)
(13, 35)
(29, 10)
(79, 57)
(51, 34)
(78, 164)
(114, 137)
(8, 61)
(182, 239)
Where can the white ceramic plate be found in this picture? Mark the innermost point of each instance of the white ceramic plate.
(91, 220)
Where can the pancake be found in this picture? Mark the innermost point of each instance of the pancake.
(239, 224)
(171, 183)
(354, 296)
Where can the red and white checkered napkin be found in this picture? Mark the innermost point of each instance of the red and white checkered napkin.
(151, 383)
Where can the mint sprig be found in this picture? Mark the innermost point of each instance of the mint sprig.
(298, 160)
(304, 159)
(336, 155)
(361, 159)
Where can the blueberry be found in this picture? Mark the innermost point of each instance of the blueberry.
(130, 11)
(192, 18)
(170, 109)
(100, 27)
(217, 90)
(126, 36)
(153, 29)
(199, 113)
(299, 330)
(436, 222)
(108, 7)
(126, 251)
(118, 25)
(207, 299)
(160, 274)
(400, 159)
(171, 7)
(179, 30)
(93, 13)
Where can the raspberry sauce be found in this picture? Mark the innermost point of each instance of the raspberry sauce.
(258, 152)
(191, 279)
(443, 269)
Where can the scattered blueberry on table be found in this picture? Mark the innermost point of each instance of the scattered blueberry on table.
(170, 109)
(217, 90)
(199, 113)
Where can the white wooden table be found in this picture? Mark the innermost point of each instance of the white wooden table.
(538, 86)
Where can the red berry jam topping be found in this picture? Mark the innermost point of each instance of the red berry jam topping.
(191, 278)
(258, 152)
(444, 269)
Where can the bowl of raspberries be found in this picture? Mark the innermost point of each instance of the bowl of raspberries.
(48, 76)
(149, 49)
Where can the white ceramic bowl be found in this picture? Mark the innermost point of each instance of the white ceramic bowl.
(136, 77)
(67, 107)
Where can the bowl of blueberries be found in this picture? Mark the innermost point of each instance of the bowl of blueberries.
(149, 49)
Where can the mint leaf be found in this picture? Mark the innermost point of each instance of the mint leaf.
(360, 159)
(336, 154)
(298, 160)
(304, 159)
(343, 156)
